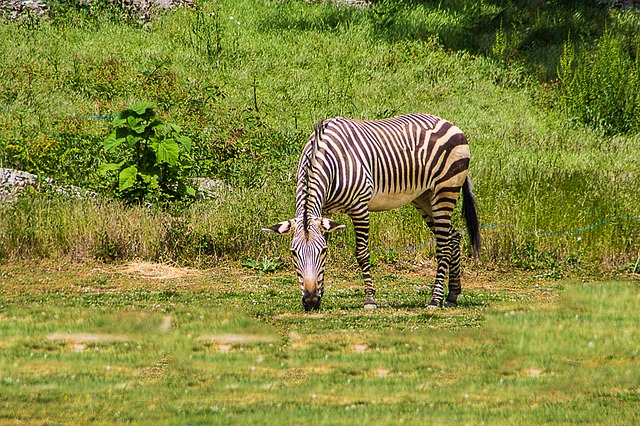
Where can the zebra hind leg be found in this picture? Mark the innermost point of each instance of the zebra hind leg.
(443, 256)
(455, 288)
(442, 231)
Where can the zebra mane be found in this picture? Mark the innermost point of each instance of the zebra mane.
(308, 171)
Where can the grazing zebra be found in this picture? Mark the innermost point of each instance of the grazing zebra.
(355, 167)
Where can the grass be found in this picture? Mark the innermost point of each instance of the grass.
(248, 90)
(91, 333)
(148, 343)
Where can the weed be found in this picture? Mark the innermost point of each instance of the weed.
(206, 29)
(154, 156)
(264, 265)
(105, 249)
(500, 45)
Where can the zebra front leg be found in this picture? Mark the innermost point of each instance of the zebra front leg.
(361, 228)
(443, 256)
(455, 288)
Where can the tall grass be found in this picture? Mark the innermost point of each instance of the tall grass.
(54, 228)
(601, 88)
(248, 90)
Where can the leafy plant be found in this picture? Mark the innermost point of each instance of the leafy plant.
(152, 156)
(265, 265)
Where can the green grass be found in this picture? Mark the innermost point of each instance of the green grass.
(118, 342)
(104, 345)
(249, 94)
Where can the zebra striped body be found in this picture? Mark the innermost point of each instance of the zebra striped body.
(354, 167)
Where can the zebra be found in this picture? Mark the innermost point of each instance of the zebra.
(359, 166)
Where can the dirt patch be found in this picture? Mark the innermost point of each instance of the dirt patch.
(167, 322)
(156, 271)
(359, 348)
(79, 338)
(235, 339)
(226, 342)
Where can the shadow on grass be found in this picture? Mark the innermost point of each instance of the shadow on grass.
(535, 30)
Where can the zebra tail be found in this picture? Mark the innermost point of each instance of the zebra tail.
(470, 216)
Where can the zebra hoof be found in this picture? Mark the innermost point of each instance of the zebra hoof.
(450, 304)
(370, 306)
(432, 306)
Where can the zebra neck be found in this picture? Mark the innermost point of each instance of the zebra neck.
(313, 176)
(310, 204)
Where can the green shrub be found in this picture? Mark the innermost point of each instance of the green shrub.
(601, 87)
(153, 156)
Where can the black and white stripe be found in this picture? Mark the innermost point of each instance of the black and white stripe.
(355, 166)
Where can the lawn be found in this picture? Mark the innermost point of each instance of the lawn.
(157, 344)
(151, 309)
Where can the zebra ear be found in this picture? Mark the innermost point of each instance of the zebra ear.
(329, 225)
(282, 228)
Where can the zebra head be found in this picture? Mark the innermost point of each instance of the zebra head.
(309, 250)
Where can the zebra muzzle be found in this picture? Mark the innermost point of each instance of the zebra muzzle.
(310, 301)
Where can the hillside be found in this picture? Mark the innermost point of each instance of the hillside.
(246, 81)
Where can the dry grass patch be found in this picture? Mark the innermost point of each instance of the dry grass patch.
(83, 338)
(156, 271)
(235, 339)
(228, 342)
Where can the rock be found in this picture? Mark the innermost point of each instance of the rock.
(143, 9)
(16, 8)
(14, 182)
(208, 188)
